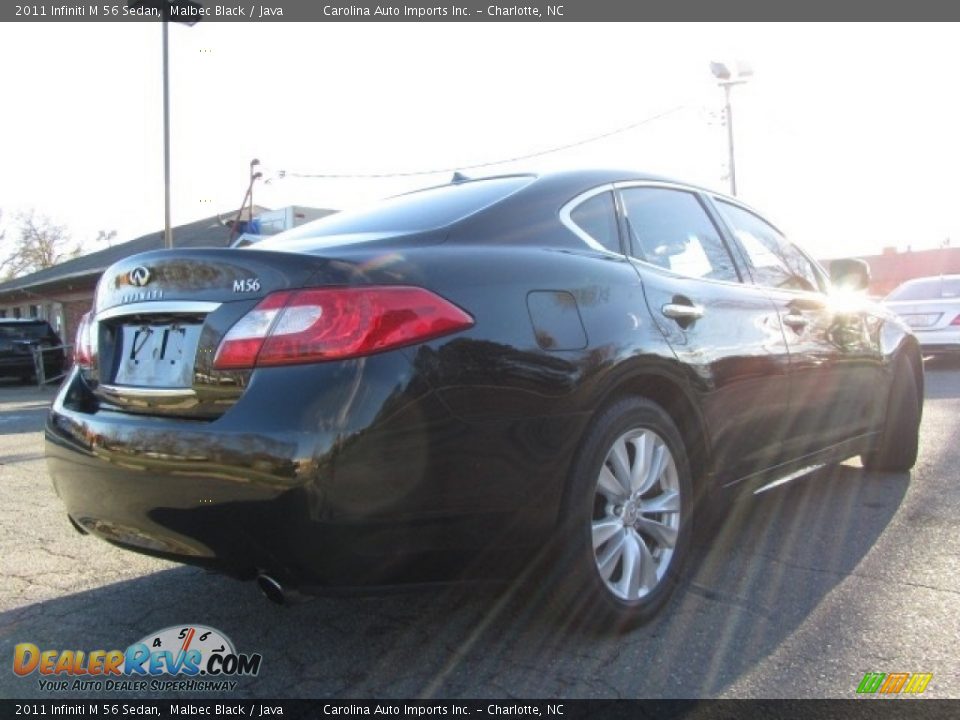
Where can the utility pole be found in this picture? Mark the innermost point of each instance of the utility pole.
(253, 176)
(167, 230)
(187, 13)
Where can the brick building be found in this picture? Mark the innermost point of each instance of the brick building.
(63, 293)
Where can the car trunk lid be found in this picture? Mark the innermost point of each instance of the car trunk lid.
(925, 314)
(160, 316)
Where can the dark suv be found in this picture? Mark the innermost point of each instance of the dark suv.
(18, 339)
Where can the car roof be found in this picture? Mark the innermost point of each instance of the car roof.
(573, 182)
(579, 178)
(588, 177)
(537, 199)
(930, 278)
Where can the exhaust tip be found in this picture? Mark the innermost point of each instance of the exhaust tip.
(271, 589)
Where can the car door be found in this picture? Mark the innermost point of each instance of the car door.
(726, 332)
(835, 360)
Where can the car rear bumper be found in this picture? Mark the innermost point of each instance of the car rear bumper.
(946, 340)
(398, 499)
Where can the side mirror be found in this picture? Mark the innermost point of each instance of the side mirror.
(850, 274)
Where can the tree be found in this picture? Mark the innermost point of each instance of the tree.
(41, 244)
(106, 236)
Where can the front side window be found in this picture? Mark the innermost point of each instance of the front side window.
(927, 289)
(597, 217)
(775, 261)
(934, 288)
(670, 228)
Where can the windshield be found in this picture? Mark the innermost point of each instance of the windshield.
(414, 212)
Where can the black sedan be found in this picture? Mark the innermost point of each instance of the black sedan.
(574, 367)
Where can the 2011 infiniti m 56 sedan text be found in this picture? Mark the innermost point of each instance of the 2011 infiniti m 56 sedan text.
(572, 366)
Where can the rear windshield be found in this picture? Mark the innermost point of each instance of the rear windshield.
(415, 212)
(19, 331)
(927, 289)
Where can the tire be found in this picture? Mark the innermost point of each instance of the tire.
(621, 552)
(897, 446)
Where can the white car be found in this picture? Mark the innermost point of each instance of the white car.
(931, 306)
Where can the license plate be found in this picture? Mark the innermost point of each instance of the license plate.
(919, 321)
(158, 355)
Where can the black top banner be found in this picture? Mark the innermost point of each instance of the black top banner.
(191, 11)
(499, 709)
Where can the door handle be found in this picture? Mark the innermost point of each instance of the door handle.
(678, 311)
(795, 320)
(814, 303)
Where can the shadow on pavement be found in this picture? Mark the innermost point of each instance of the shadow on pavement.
(756, 581)
(941, 378)
(23, 418)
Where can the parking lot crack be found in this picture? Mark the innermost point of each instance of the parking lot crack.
(59, 555)
(862, 576)
(730, 599)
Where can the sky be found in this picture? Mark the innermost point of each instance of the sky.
(846, 135)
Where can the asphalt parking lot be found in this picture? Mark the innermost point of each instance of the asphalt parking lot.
(810, 586)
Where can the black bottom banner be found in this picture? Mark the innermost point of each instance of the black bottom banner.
(867, 709)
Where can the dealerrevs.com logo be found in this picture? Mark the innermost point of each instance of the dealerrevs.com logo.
(199, 657)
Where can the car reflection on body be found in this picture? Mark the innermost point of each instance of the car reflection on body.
(572, 366)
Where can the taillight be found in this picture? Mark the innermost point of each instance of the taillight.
(336, 323)
(956, 320)
(85, 346)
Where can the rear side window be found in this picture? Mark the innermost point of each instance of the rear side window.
(597, 217)
(775, 261)
(927, 289)
(671, 229)
(25, 331)
(414, 212)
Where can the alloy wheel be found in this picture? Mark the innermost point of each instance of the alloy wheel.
(636, 515)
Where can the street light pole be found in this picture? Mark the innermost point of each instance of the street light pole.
(167, 230)
(727, 80)
(730, 162)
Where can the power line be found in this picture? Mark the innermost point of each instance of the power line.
(342, 176)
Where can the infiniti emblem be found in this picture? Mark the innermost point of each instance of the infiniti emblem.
(139, 276)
